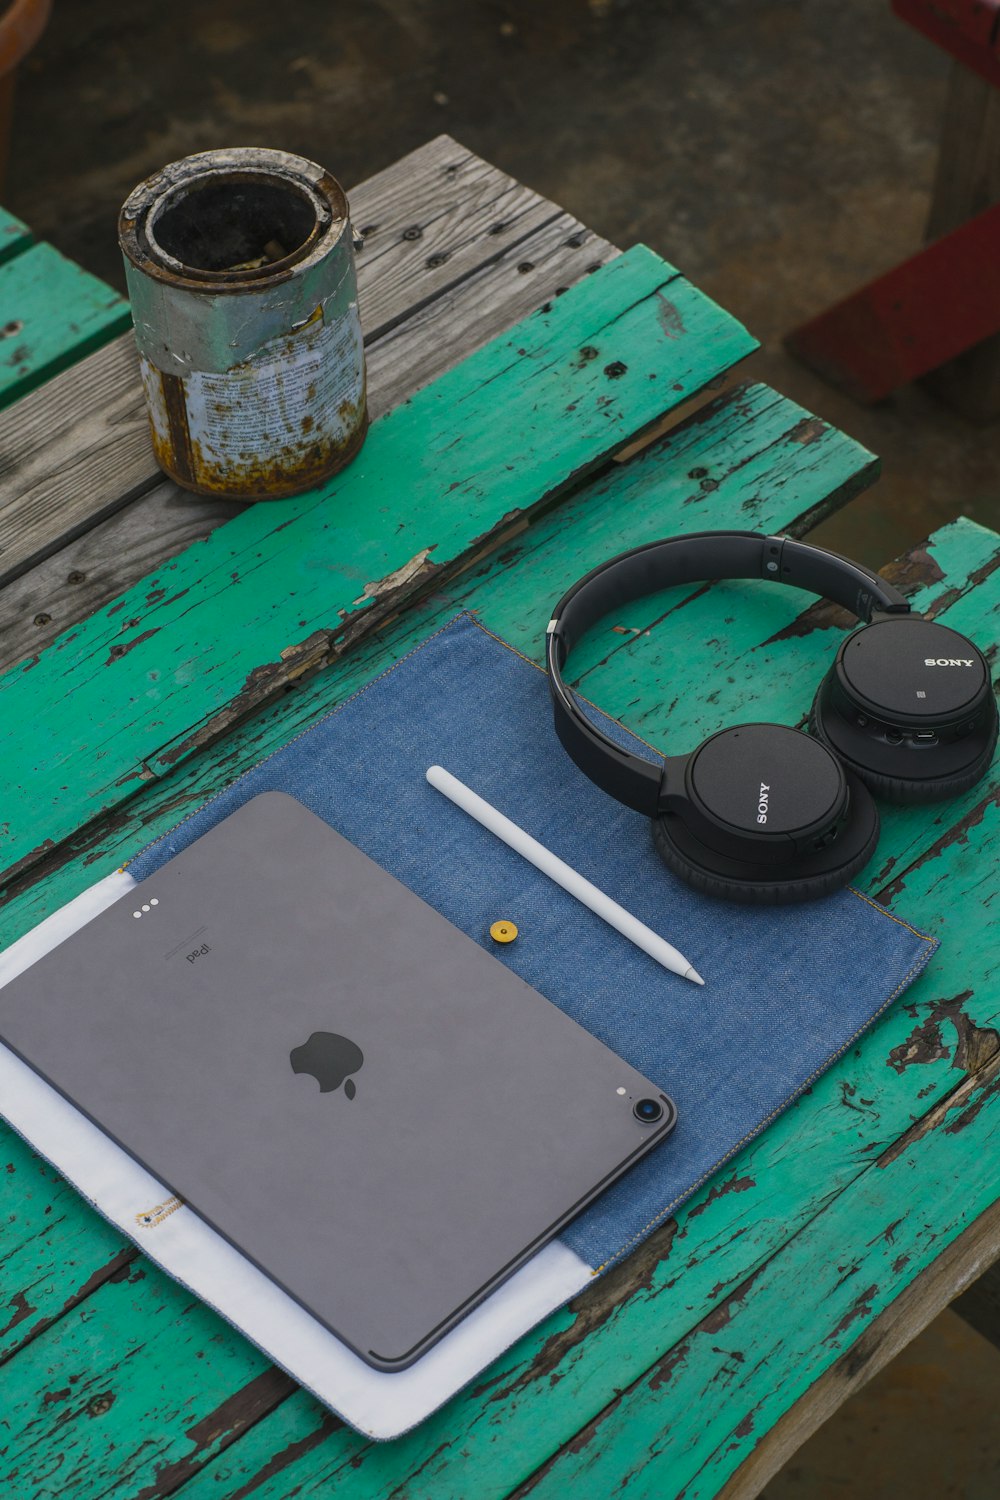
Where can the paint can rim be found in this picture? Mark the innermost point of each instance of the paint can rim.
(144, 212)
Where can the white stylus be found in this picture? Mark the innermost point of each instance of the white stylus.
(563, 874)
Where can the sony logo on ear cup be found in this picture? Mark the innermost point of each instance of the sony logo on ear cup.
(880, 723)
(911, 734)
(762, 804)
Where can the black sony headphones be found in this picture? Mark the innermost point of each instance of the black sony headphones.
(761, 812)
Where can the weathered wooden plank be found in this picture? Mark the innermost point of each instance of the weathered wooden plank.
(51, 313)
(831, 1105)
(109, 557)
(301, 579)
(94, 1408)
(441, 223)
(14, 236)
(687, 1423)
(740, 1329)
(54, 1251)
(79, 449)
(763, 472)
(813, 1167)
(58, 447)
(886, 1336)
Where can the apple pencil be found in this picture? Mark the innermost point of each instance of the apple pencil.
(563, 874)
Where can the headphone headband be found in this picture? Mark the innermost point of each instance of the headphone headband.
(695, 558)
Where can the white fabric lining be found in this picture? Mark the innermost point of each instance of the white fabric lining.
(379, 1405)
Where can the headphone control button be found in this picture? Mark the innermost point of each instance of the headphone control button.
(862, 721)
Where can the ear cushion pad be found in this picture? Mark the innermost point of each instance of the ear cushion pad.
(906, 789)
(807, 887)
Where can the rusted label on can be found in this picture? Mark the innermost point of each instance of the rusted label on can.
(254, 372)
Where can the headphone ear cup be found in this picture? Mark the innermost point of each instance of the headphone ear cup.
(806, 887)
(905, 789)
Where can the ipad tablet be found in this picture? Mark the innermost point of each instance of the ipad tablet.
(369, 1105)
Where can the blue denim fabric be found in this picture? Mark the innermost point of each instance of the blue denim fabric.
(785, 990)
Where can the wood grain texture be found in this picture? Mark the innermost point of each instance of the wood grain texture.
(110, 556)
(742, 463)
(79, 449)
(77, 1419)
(885, 1337)
(280, 589)
(773, 1337)
(51, 313)
(667, 1320)
(675, 1369)
(747, 466)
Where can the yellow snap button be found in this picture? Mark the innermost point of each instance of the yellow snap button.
(503, 932)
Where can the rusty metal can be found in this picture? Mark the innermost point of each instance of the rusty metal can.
(240, 269)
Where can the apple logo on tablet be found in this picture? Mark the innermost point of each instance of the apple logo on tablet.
(330, 1059)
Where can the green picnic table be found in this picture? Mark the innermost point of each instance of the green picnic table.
(552, 402)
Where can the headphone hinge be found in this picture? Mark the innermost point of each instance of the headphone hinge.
(771, 552)
(671, 790)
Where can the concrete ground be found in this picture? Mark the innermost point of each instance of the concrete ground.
(779, 151)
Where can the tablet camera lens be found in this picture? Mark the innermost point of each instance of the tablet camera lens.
(648, 1111)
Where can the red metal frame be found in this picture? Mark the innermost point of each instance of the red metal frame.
(944, 299)
(968, 29)
(917, 316)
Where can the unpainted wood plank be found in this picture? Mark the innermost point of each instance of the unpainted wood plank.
(109, 557)
(14, 236)
(282, 587)
(51, 313)
(79, 449)
(966, 182)
(59, 448)
(467, 214)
